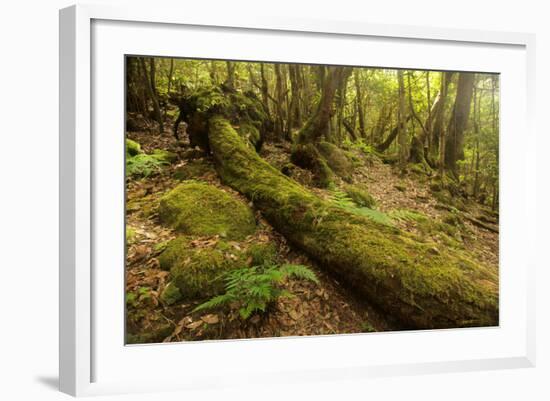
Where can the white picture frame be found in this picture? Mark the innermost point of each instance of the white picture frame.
(86, 351)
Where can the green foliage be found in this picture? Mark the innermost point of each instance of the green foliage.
(253, 289)
(407, 215)
(374, 215)
(143, 165)
(366, 149)
(345, 201)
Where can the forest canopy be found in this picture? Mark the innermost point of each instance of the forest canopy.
(376, 186)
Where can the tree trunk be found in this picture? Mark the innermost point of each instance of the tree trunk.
(280, 132)
(318, 125)
(393, 134)
(230, 81)
(264, 88)
(454, 143)
(475, 156)
(402, 131)
(438, 122)
(295, 115)
(435, 288)
(150, 85)
(359, 103)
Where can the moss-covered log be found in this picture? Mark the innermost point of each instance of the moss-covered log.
(419, 283)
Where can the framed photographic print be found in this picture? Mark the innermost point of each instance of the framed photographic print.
(306, 200)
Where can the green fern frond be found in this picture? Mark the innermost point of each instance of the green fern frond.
(344, 201)
(215, 302)
(300, 272)
(407, 215)
(254, 288)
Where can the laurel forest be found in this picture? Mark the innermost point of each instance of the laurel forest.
(267, 200)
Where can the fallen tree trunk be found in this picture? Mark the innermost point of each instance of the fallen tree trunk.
(422, 286)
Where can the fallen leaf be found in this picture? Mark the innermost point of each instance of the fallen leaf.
(210, 319)
(194, 325)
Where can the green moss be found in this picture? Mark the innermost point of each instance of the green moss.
(164, 156)
(197, 208)
(171, 294)
(262, 254)
(132, 148)
(360, 195)
(197, 271)
(250, 133)
(337, 159)
(130, 235)
(146, 206)
(419, 168)
(194, 169)
(161, 246)
(307, 156)
(452, 219)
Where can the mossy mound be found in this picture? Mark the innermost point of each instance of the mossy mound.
(194, 169)
(132, 148)
(360, 195)
(171, 294)
(197, 269)
(308, 157)
(262, 254)
(337, 159)
(197, 208)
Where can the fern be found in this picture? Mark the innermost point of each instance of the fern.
(407, 215)
(375, 215)
(255, 288)
(300, 272)
(143, 165)
(343, 200)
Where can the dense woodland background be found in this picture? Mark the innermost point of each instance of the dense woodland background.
(368, 105)
(412, 152)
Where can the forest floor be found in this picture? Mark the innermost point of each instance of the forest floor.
(315, 309)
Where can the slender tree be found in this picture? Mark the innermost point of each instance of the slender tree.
(454, 143)
(402, 130)
(149, 79)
